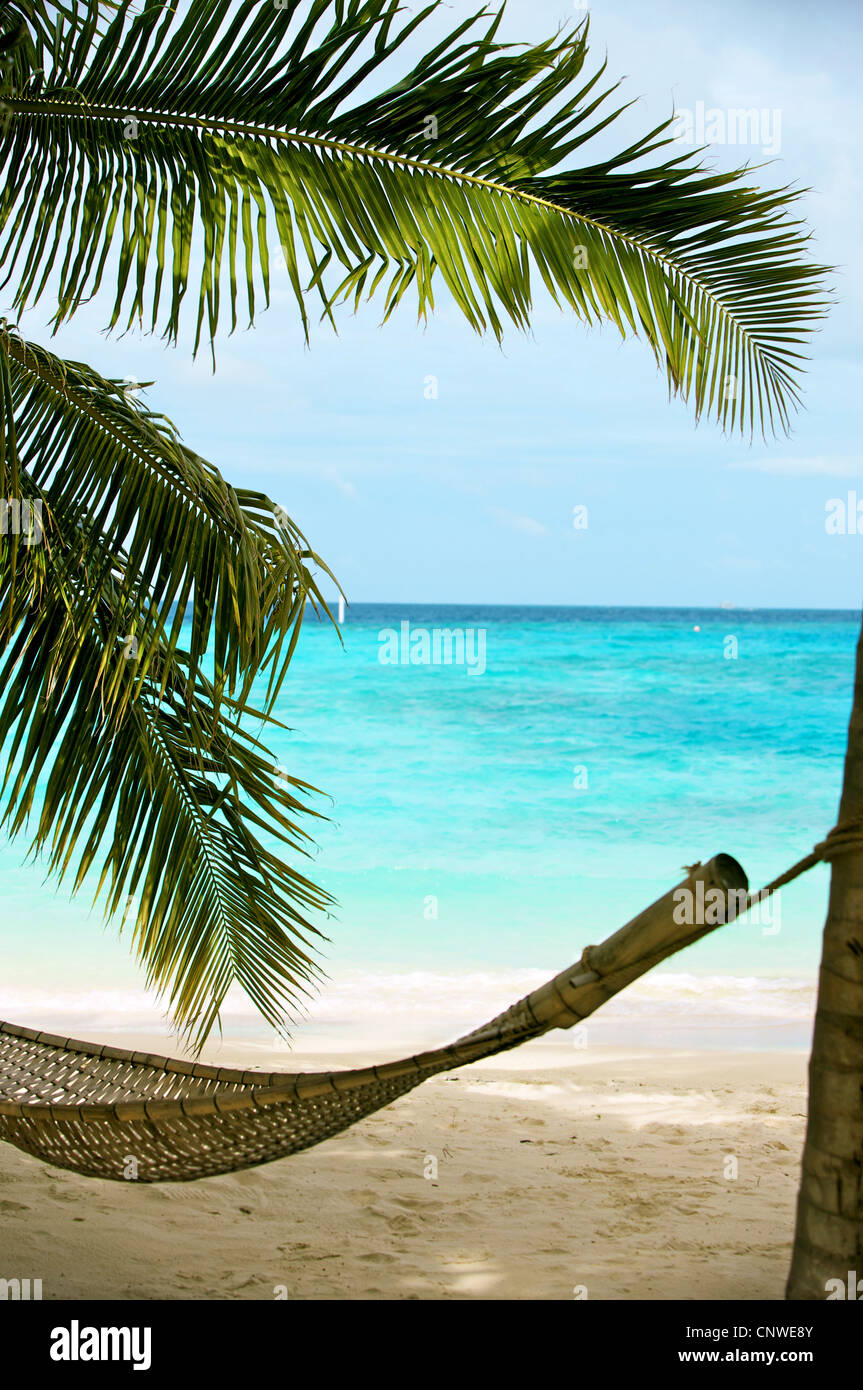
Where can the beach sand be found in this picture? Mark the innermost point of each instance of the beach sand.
(606, 1171)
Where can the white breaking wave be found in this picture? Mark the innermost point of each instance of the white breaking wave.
(364, 1007)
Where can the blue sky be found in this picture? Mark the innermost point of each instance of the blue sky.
(470, 496)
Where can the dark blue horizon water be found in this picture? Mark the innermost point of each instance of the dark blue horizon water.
(598, 610)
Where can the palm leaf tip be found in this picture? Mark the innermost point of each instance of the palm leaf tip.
(254, 132)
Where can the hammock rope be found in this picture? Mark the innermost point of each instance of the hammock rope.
(842, 839)
(106, 1112)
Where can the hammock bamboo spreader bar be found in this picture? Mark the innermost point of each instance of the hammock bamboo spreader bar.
(108, 1113)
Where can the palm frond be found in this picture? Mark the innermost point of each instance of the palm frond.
(177, 142)
(108, 469)
(134, 752)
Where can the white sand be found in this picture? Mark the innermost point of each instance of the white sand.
(555, 1169)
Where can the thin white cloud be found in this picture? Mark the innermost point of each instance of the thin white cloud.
(526, 524)
(345, 487)
(812, 467)
(309, 468)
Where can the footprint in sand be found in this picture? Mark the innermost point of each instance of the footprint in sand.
(675, 1135)
(240, 1283)
(419, 1203)
(404, 1225)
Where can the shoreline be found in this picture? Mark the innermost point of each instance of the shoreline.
(392, 1013)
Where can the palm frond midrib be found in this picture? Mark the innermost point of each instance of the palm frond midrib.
(658, 254)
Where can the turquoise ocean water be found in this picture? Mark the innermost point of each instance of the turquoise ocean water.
(486, 824)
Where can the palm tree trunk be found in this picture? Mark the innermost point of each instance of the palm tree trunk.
(829, 1238)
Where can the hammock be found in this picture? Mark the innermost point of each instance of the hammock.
(108, 1113)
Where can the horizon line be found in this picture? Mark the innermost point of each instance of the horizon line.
(590, 607)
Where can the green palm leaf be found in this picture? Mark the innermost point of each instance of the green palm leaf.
(110, 472)
(179, 142)
(136, 751)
